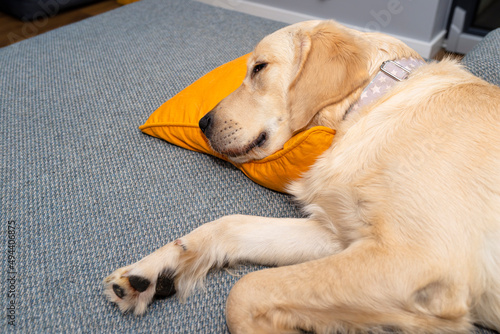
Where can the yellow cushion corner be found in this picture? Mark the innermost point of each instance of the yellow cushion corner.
(176, 121)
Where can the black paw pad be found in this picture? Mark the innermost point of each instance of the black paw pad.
(165, 286)
(119, 292)
(139, 283)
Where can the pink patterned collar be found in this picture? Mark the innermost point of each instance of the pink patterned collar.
(390, 73)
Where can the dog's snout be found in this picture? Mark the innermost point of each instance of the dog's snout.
(206, 123)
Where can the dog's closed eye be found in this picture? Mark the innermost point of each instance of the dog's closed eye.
(257, 68)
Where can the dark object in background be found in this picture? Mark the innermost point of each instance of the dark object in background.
(28, 10)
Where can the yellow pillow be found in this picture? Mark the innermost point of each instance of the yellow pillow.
(176, 121)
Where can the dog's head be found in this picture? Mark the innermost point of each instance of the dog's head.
(291, 75)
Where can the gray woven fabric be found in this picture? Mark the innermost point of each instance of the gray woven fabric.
(88, 192)
(484, 59)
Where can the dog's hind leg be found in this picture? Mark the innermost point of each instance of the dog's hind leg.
(180, 266)
(362, 289)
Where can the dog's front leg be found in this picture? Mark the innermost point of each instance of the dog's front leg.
(181, 265)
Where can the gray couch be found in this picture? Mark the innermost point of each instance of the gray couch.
(84, 192)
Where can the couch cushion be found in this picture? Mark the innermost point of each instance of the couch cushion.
(484, 59)
(88, 191)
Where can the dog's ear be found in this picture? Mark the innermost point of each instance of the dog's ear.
(330, 64)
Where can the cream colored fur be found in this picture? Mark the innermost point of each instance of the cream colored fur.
(403, 227)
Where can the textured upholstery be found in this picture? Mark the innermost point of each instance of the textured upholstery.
(88, 192)
(484, 59)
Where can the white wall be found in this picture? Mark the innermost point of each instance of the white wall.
(419, 23)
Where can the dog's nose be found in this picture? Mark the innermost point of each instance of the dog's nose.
(205, 124)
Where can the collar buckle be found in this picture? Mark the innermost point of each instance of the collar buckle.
(395, 70)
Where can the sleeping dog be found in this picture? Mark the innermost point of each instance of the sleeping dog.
(403, 227)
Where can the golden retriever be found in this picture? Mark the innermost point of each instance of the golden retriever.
(403, 227)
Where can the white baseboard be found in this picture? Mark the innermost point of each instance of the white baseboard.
(426, 49)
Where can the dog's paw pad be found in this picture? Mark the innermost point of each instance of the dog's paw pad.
(134, 287)
(165, 286)
(118, 290)
(139, 283)
(129, 292)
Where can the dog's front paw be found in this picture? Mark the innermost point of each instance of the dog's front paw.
(132, 288)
